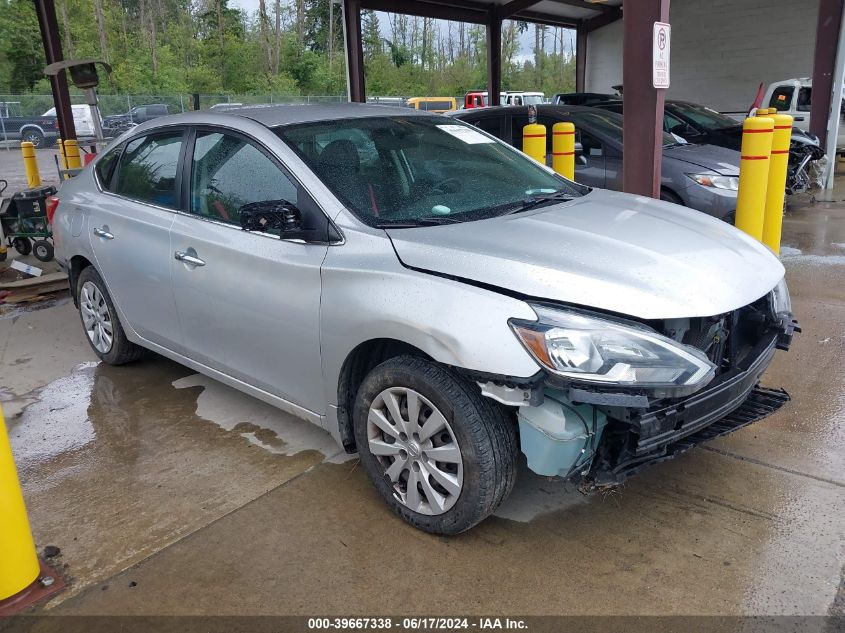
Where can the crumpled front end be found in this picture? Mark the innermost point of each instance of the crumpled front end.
(601, 435)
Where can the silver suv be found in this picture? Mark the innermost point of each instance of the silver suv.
(431, 297)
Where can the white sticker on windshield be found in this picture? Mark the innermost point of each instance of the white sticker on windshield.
(466, 134)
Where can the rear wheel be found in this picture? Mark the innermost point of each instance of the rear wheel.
(33, 136)
(22, 245)
(441, 455)
(99, 318)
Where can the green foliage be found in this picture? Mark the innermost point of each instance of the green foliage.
(207, 46)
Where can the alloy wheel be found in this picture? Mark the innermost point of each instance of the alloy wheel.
(96, 317)
(415, 444)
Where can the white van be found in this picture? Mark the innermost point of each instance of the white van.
(524, 98)
(792, 96)
(82, 119)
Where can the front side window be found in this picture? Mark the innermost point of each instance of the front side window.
(804, 99)
(782, 98)
(400, 170)
(148, 169)
(705, 117)
(228, 172)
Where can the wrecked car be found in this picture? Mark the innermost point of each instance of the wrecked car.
(431, 297)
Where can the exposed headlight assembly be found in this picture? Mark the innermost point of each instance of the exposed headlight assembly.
(600, 351)
(781, 303)
(717, 182)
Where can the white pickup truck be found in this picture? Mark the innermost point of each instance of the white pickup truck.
(793, 97)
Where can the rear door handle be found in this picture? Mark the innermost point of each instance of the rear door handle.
(104, 234)
(182, 256)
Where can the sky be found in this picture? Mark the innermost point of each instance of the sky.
(526, 43)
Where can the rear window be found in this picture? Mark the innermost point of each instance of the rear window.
(148, 169)
(782, 98)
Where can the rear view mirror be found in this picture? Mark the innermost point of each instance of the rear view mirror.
(273, 215)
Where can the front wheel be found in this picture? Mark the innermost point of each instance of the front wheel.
(441, 455)
(35, 137)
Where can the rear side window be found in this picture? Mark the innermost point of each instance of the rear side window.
(782, 98)
(148, 169)
(804, 99)
(105, 168)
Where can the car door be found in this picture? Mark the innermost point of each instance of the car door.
(590, 164)
(129, 229)
(491, 124)
(248, 302)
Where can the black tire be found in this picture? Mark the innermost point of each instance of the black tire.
(35, 137)
(668, 196)
(485, 434)
(43, 250)
(3, 254)
(122, 351)
(23, 245)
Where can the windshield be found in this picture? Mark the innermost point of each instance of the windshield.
(532, 99)
(704, 117)
(413, 170)
(609, 124)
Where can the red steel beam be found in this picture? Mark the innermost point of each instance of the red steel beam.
(824, 63)
(494, 58)
(643, 114)
(354, 50)
(46, 12)
(580, 58)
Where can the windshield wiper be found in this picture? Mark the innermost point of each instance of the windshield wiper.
(436, 220)
(535, 201)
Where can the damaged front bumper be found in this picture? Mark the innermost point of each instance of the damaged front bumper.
(604, 436)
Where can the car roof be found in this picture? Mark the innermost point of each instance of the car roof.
(273, 115)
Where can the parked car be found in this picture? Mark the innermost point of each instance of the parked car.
(83, 121)
(523, 98)
(699, 124)
(794, 97)
(582, 98)
(703, 177)
(430, 296)
(475, 99)
(41, 131)
(136, 115)
(433, 104)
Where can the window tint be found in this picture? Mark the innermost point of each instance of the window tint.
(105, 167)
(804, 95)
(228, 172)
(591, 146)
(782, 98)
(148, 169)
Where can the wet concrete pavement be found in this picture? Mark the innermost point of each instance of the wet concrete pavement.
(169, 493)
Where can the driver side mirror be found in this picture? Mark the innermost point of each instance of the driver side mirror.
(271, 215)
(580, 159)
(684, 130)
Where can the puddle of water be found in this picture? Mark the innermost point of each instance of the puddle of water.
(260, 423)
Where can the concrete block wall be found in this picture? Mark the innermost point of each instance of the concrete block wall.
(721, 49)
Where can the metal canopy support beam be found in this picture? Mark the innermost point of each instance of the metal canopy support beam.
(465, 12)
(827, 38)
(46, 11)
(494, 57)
(643, 114)
(354, 50)
(580, 58)
(515, 6)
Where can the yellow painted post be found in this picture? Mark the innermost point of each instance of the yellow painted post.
(62, 157)
(776, 190)
(72, 154)
(753, 174)
(30, 165)
(534, 141)
(563, 149)
(19, 567)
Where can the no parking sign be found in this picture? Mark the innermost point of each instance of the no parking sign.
(660, 55)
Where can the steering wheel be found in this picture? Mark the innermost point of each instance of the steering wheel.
(449, 185)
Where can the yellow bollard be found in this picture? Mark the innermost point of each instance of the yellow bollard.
(62, 157)
(19, 567)
(753, 175)
(72, 154)
(776, 190)
(30, 165)
(534, 141)
(563, 149)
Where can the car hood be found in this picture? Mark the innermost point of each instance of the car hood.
(622, 253)
(721, 160)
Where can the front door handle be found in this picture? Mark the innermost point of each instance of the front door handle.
(104, 234)
(182, 256)
(798, 118)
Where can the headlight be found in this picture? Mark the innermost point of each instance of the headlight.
(597, 350)
(781, 303)
(719, 182)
